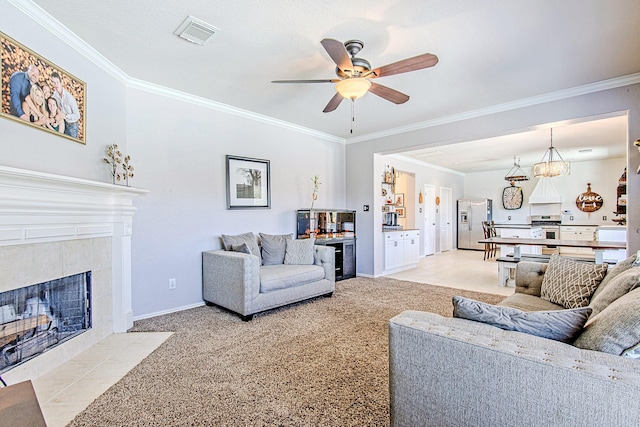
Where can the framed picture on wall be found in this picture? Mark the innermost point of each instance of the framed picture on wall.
(401, 212)
(399, 201)
(248, 183)
(38, 93)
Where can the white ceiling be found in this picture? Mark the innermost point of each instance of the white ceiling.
(491, 52)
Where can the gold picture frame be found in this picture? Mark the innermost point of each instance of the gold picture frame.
(40, 94)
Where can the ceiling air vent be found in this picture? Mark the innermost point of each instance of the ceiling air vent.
(196, 30)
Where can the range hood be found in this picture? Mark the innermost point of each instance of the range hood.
(545, 192)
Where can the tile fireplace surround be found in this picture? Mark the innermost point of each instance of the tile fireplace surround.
(53, 226)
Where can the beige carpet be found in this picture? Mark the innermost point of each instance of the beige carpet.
(318, 363)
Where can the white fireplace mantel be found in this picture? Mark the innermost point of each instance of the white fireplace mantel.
(37, 207)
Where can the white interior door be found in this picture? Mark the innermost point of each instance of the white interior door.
(429, 219)
(446, 211)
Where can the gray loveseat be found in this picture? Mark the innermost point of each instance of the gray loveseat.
(281, 272)
(457, 372)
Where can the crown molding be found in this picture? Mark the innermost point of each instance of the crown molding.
(425, 164)
(41, 17)
(218, 106)
(507, 106)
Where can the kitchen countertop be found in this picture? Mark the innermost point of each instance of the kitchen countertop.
(514, 225)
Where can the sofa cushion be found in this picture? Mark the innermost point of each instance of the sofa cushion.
(620, 267)
(527, 302)
(274, 277)
(616, 328)
(559, 325)
(571, 283)
(274, 248)
(241, 248)
(300, 252)
(248, 238)
(621, 284)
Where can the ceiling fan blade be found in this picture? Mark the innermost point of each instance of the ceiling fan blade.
(419, 62)
(307, 81)
(388, 93)
(333, 104)
(338, 53)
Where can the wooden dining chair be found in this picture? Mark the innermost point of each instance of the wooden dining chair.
(490, 249)
(493, 251)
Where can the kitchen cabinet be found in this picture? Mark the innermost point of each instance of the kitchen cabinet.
(401, 249)
(521, 233)
(613, 233)
(576, 232)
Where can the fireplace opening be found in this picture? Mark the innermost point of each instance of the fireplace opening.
(36, 318)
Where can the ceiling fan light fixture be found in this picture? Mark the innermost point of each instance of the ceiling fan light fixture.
(549, 167)
(353, 88)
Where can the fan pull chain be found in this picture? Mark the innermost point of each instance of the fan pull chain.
(353, 119)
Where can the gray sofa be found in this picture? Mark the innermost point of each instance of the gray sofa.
(457, 372)
(240, 281)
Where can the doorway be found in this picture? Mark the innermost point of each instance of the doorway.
(429, 219)
(446, 218)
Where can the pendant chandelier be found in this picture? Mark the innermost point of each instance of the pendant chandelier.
(552, 164)
(515, 174)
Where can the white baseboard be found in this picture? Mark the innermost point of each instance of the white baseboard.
(172, 310)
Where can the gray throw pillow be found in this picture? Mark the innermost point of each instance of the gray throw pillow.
(570, 283)
(559, 325)
(274, 248)
(241, 248)
(248, 238)
(620, 267)
(621, 284)
(300, 252)
(616, 329)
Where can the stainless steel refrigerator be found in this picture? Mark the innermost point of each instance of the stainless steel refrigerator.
(471, 213)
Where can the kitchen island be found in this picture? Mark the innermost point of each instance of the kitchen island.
(597, 246)
(520, 231)
(505, 268)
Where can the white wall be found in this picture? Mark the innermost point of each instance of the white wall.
(26, 147)
(603, 176)
(178, 150)
(179, 153)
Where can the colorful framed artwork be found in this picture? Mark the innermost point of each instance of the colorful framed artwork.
(40, 94)
(248, 183)
(401, 212)
(399, 198)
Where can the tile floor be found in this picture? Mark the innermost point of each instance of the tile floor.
(66, 391)
(461, 269)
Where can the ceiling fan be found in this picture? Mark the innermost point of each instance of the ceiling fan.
(355, 73)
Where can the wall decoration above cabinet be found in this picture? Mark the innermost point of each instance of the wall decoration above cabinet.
(512, 197)
(589, 201)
